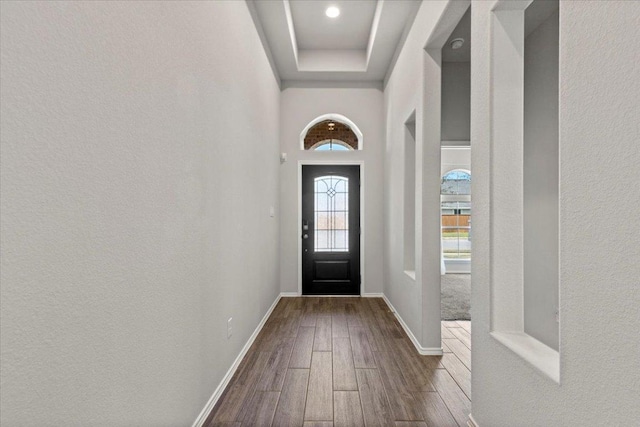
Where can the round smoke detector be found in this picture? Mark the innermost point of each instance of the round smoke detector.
(456, 43)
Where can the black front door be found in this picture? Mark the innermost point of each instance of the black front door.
(330, 230)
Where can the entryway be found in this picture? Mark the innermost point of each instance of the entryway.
(330, 230)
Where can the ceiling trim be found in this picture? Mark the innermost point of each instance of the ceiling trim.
(401, 42)
(332, 84)
(374, 29)
(325, 60)
(263, 40)
(292, 30)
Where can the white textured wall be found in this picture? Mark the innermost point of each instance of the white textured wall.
(455, 158)
(139, 159)
(599, 285)
(540, 182)
(417, 301)
(456, 107)
(363, 107)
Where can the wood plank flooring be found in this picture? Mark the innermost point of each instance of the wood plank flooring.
(346, 362)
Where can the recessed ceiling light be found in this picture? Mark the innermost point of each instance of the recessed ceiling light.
(332, 12)
(456, 43)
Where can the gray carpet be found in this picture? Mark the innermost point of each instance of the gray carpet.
(455, 296)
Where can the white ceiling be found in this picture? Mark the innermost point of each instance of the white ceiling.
(315, 30)
(307, 48)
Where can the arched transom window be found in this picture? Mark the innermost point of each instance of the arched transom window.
(331, 132)
(456, 182)
(330, 135)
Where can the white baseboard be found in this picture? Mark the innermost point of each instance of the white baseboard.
(366, 295)
(472, 422)
(425, 351)
(431, 351)
(289, 294)
(327, 296)
(202, 417)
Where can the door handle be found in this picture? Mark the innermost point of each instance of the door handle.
(305, 236)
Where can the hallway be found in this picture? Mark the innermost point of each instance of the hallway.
(152, 232)
(346, 362)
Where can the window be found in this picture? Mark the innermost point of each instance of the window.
(456, 182)
(331, 132)
(331, 145)
(455, 191)
(331, 214)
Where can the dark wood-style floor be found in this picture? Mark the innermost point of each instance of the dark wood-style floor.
(346, 362)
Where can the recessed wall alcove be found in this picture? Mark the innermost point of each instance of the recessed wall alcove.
(525, 297)
(410, 196)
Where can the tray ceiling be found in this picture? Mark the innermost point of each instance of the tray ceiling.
(307, 48)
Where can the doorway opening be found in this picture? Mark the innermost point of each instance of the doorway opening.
(456, 198)
(455, 186)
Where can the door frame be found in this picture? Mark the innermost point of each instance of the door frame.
(362, 207)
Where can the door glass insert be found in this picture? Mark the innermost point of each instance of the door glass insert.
(331, 214)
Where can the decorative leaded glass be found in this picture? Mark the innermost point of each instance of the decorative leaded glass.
(331, 212)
